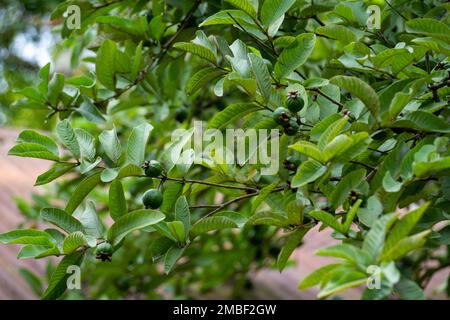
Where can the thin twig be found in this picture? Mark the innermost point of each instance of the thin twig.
(237, 199)
(326, 96)
(363, 164)
(192, 181)
(396, 11)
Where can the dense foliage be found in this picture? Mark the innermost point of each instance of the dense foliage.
(364, 120)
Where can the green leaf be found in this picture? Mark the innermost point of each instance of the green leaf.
(111, 144)
(237, 218)
(295, 55)
(172, 256)
(202, 78)
(307, 172)
(348, 183)
(86, 166)
(198, 50)
(137, 143)
(32, 136)
(130, 170)
(104, 64)
(81, 81)
(359, 143)
(423, 168)
(329, 220)
(232, 113)
(352, 254)
(109, 174)
(159, 247)
(69, 139)
(164, 230)
(157, 27)
(429, 27)
(81, 191)
(91, 222)
(87, 144)
(374, 239)
(205, 225)
(172, 191)
(32, 150)
(399, 102)
(316, 277)
(351, 215)
(73, 242)
(336, 147)
(55, 87)
(90, 111)
(373, 209)
(268, 218)
(244, 5)
(32, 94)
(132, 221)
(292, 241)
(37, 252)
(340, 279)
(390, 184)
(308, 149)
(136, 62)
(39, 241)
(183, 214)
(15, 235)
(405, 245)
(421, 120)
(386, 57)
(320, 127)
(62, 219)
(58, 281)
(262, 75)
(404, 226)
(223, 17)
(56, 235)
(272, 10)
(361, 90)
(177, 230)
(315, 83)
(44, 75)
(409, 290)
(117, 202)
(262, 195)
(135, 27)
(331, 132)
(337, 32)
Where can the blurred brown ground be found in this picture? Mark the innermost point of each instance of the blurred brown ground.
(17, 179)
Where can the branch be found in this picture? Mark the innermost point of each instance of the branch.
(183, 180)
(226, 204)
(363, 165)
(318, 91)
(272, 51)
(396, 11)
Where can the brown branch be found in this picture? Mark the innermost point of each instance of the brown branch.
(183, 180)
(363, 165)
(319, 92)
(226, 204)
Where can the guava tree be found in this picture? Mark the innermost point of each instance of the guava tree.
(363, 114)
